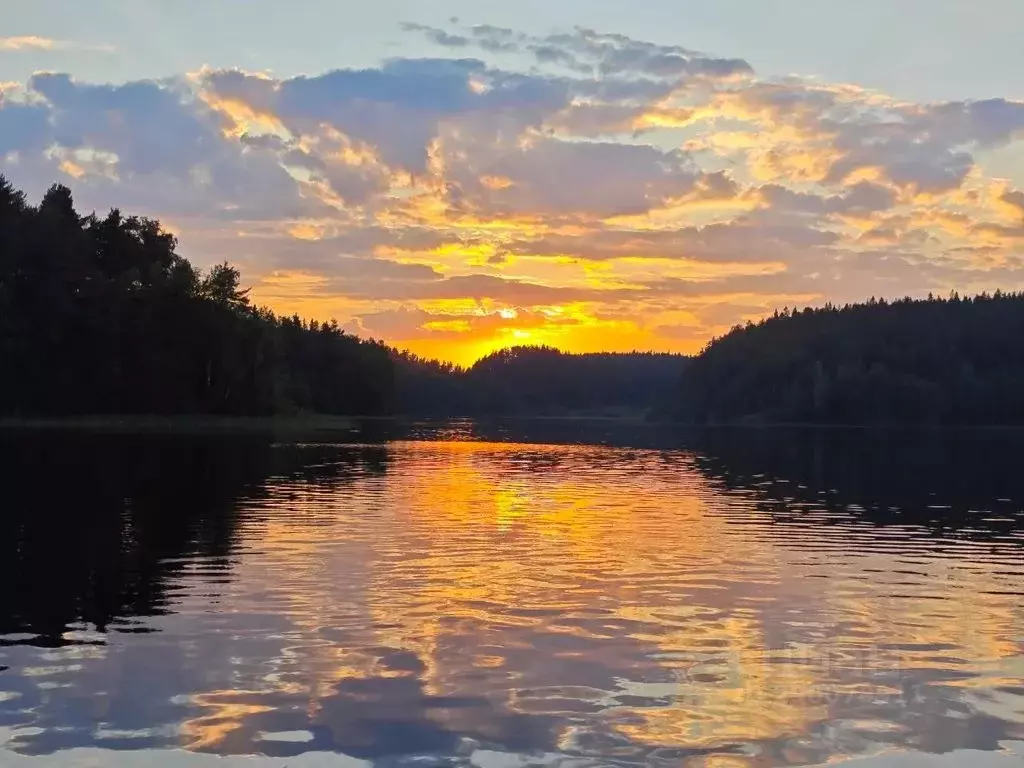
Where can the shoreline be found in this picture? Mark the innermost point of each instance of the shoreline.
(312, 423)
(185, 424)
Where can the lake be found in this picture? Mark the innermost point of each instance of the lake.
(512, 594)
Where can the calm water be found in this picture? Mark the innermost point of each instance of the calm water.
(511, 596)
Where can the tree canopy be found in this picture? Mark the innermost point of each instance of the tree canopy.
(935, 361)
(101, 315)
(539, 380)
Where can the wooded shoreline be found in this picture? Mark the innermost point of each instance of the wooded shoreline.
(326, 424)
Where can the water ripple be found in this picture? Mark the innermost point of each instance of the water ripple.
(493, 604)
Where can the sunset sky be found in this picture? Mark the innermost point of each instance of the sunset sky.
(459, 176)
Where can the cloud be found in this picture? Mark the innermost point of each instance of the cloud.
(153, 144)
(862, 198)
(400, 107)
(35, 43)
(1015, 200)
(438, 36)
(841, 132)
(553, 176)
(586, 51)
(749, 239)
(511, 291)
(146, 124)
(407, 322)
(596, 188)
(23, 127)
(987, 123)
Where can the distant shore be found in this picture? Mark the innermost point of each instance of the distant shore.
(184, 424)
(187, 423)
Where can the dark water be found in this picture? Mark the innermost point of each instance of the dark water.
(512, 595)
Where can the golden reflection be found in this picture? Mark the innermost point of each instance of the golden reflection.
(579, 526)
(223, 715)
(501, 568)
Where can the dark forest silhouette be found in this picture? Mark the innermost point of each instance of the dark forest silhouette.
(538, 380)
(934, 361)
(101, 315)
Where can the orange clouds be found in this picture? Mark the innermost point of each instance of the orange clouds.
(619, 194)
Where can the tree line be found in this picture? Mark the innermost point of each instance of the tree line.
(101, 315)
(539, 381)
(948, 360)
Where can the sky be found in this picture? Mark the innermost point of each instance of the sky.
(456, 176)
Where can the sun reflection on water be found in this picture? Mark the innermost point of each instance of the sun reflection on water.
(584, 600)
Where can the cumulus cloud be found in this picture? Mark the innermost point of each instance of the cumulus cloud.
(565, 188)
(398, 108)
(146, 124)
(23, 127)
(153, 145)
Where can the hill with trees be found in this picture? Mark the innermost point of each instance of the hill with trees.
(538, 381)
(543, 380)
(427, 387)
(935, 361)
(101, 315)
